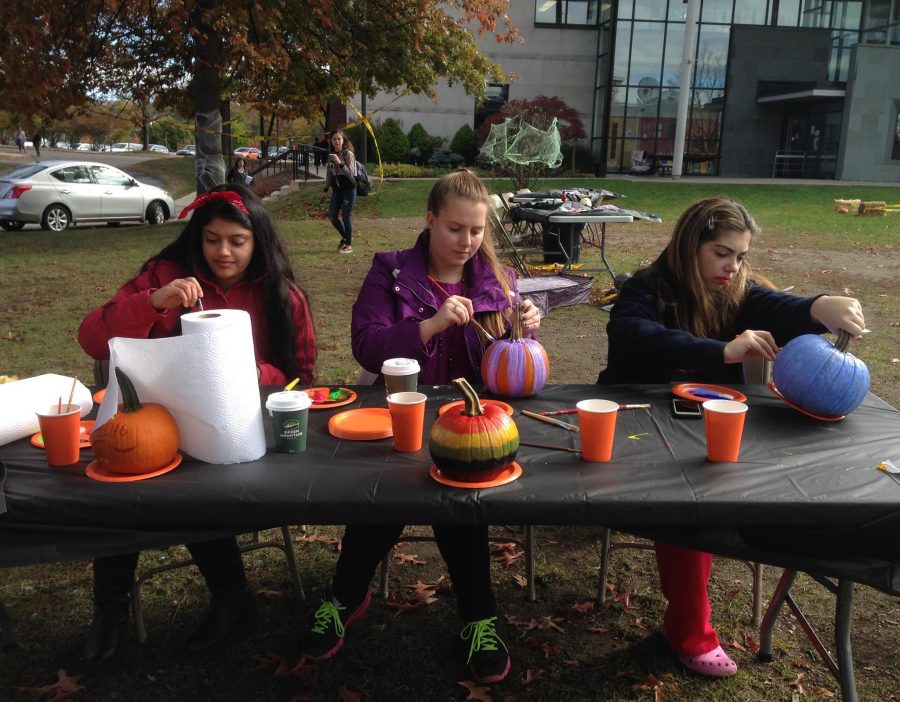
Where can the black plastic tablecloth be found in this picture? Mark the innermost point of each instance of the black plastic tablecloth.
(806, 494)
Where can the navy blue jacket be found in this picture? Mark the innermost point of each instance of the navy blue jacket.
(642, 349)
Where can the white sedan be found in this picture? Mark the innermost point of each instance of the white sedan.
(57, 194)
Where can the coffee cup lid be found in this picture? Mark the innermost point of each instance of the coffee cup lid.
(288, 400)
(400, 366)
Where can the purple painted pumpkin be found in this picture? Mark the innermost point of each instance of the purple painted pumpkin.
(821, 377)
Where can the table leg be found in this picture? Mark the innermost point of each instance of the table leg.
(781, 594)
(603, 252)
(842, 619)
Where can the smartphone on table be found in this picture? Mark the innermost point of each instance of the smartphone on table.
(685, 409)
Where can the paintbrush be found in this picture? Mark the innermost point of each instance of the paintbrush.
(473, 320)
(550, 420)
(573, 410)
(548, 446)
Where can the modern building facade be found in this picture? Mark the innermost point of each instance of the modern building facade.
(804, 88)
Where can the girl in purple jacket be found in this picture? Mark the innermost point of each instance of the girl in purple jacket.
(695, 314)
(418, 303)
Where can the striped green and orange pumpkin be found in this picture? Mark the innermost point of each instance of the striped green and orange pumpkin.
(473, 444)
(515, 367)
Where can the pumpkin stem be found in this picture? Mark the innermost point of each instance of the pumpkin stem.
(130, 398)
(473, 404)
(515, 331)
(843, 341)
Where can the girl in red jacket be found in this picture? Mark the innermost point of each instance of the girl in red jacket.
(227, 256)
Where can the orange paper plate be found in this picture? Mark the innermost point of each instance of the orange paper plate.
(95, 472)
(364, 424)
(84, 440)
(324, 402)
(700, 392)
(507, 476)
(462, 403)
(800, 409)
(99, 395)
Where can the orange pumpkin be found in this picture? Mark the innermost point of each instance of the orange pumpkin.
(139, 438)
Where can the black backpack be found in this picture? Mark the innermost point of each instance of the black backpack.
(363, 182)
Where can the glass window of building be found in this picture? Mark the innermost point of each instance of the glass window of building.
(788, 13)
(712, 56)
(647, 62)
(895, 151)
(750, 12)
(716, 11)
(649, 10)
(623, 51)
(571, 13)
(672, 55)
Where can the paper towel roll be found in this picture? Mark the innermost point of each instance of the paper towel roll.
(206, 378)
(20, 400)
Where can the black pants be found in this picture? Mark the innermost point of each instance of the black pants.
(464, 549)
(219, 562)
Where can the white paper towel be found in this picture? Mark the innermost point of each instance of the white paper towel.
(206, 378)
(21, 399)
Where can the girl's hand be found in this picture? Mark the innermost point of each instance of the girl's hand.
(334, 158)
(456, 310)
(839, 313)
(751, 344)
(183, 292)
(530, 315)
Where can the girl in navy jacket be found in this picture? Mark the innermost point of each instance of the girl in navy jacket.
(695, 314)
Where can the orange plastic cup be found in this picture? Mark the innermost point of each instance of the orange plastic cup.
(61, 431)
(597, 426)
(407, 419)
(724, 428)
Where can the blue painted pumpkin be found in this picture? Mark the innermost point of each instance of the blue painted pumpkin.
(821, 377)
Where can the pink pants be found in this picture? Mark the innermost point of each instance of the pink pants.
(683, 575)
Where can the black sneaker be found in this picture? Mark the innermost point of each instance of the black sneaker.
(326, 635)
(488, 659)
(341, 245)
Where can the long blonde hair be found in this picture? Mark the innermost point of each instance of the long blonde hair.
(464, 184)
(689, 305)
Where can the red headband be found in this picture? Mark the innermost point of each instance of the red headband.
(229, 196)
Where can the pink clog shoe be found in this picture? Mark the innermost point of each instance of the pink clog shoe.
(715, 663)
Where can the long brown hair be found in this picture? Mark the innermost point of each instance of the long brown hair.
(465, 184)
(345, 144)
(688, 304)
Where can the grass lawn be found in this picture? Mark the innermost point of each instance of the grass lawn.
(560, 651)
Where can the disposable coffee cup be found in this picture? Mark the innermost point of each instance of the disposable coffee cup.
(61, 430)
(400, 375)
(724, 420)
(289, 411)
(597, 428)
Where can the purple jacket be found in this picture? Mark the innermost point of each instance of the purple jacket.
(397, 295)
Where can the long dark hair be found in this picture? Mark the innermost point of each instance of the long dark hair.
(269, 263)
(684, 302)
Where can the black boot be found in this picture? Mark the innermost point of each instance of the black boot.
(108, 630)
(228, 614)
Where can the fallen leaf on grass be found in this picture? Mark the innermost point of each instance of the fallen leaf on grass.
(641, 624)
(800, 664)
(476, 692)
(270, 594)
(14, 336)
(419, 586)
(823, 692)
(409, 558)
(520, 580)
(624, 598)
(798, 684)
(752, 643)
(737, 646)
(64, 686)
(581, 607)
(507, 554)
(659, 687)
(330, 347)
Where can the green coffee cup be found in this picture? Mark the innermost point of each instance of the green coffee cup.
(289, 412)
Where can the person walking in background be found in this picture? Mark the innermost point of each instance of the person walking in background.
(238, 173)
(230, 256)
(320, 152)
(339, 176)
(20, 140)
(695, 314)
(36, 143)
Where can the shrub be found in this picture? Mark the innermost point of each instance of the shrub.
(419, 138)
(444, 158)
(463, 143)
(392, 141)
(403, 170)
(356, 135)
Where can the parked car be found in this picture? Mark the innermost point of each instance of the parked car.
(275, 150)
(159, 149)
(81, 146)
(126, 146)
(250, 152)
(189, 150)
(57, 194)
